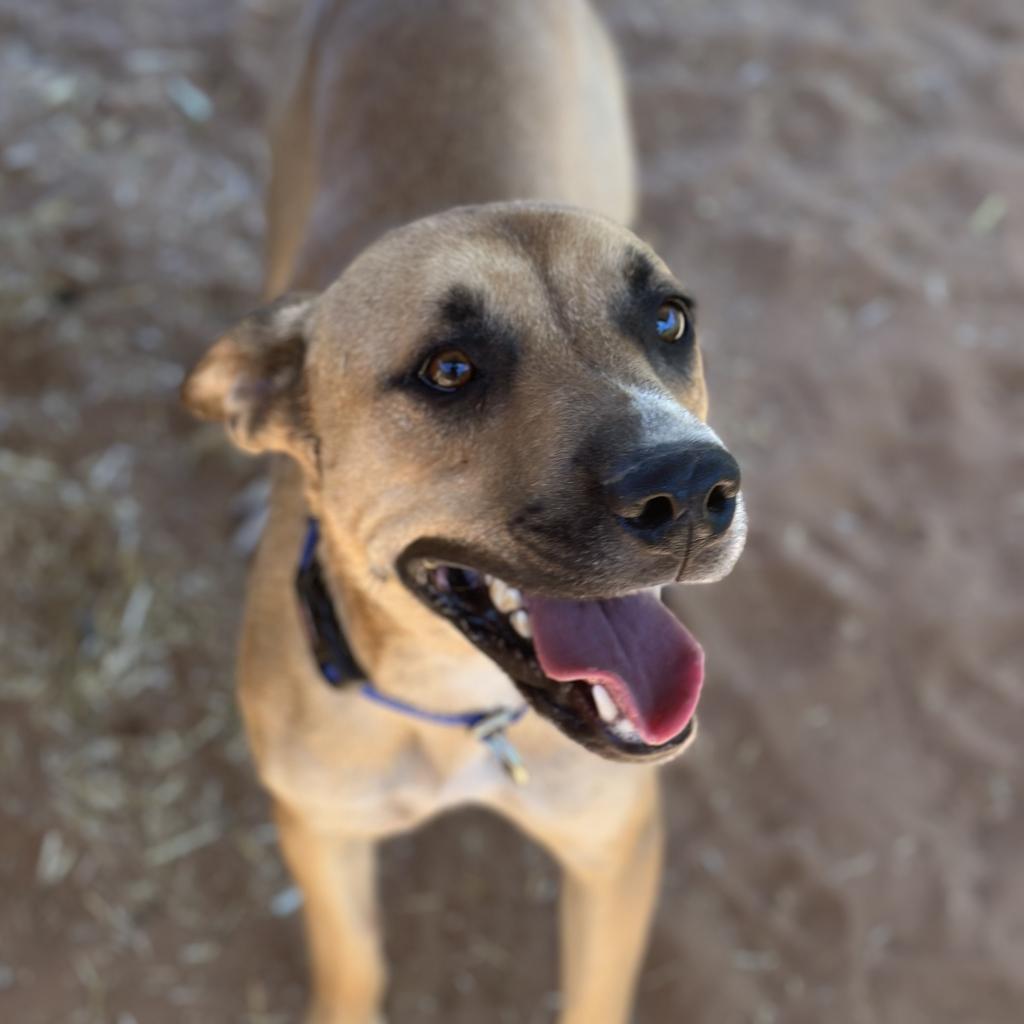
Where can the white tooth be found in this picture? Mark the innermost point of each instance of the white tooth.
(521, 623)
(623, 728)
(505, 598)
(605, 705)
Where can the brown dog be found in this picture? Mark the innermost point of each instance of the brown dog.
(496, 416)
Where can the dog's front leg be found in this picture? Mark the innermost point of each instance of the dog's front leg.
(611, 855)
(336, 876)
(608, 898)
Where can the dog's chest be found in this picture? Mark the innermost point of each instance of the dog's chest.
(430, 767)
(373, 770)
(425, 781)
(423, 773)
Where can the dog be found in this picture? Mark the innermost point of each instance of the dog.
(487, 403)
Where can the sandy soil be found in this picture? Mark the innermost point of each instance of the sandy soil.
(842, 184)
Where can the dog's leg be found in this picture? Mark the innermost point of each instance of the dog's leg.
(611, 876)
(336, 876)
(608, 897)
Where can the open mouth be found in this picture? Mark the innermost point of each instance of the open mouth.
(621, 676)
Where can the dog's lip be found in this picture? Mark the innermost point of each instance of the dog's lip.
(569, 705)
(437, 551)
(598, 737)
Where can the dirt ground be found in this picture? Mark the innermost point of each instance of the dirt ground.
(841, 183)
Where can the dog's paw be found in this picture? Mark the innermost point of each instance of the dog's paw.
(322, 1016)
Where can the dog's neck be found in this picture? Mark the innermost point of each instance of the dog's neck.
(405, 650)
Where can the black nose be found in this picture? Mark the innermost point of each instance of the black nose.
(664, 488)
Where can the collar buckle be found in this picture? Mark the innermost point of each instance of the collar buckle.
(490, 730)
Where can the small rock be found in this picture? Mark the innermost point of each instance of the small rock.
(989, 214)
(286, 902)
(190, 99)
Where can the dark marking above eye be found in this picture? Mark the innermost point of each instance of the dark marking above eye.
(461, 305)
(638, 270)
(645, 279)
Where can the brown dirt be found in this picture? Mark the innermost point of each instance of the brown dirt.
(842, 184)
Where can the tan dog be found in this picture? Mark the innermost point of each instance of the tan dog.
(496, 416)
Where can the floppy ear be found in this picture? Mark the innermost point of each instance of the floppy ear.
(253, 380)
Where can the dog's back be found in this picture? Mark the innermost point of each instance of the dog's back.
(402, 108)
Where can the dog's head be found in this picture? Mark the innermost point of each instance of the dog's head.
(502, 409)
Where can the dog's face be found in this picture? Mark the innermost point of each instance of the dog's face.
(503, 408)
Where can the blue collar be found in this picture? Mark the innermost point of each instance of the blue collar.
(339, 667)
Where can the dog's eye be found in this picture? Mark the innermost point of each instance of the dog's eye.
(671, 321)
(447, 371)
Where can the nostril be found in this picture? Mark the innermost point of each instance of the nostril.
(718, 499)
(657, 511)
(719, 506)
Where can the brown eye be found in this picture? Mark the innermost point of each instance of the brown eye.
(447, 371)
(671, 321)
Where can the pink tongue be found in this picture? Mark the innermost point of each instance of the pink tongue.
(634, 646)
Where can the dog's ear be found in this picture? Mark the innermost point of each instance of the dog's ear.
(253, 380)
